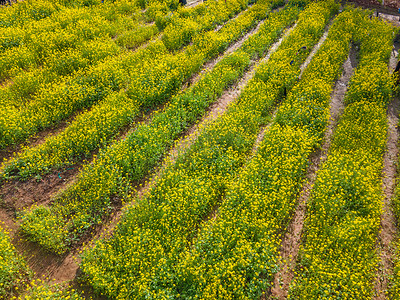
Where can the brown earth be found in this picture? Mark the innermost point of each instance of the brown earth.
(391, 4)
(388, 232)
(18, 195)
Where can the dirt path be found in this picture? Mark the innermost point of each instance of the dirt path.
(193, 3)
(388, 232)
(233, 47)
(18, 195)
(394, 20)
(211, 63)
(389, 7)
(7, 221)
(292, 239)
(315, 49)
(35, 140)
(261, 135)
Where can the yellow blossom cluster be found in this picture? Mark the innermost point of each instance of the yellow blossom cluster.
(338, 258)
(49, 52)
(76, 62)
(39, 289)
(89, 200)
(140, 259)
(13, 270)
(93, 129)
(40, 46)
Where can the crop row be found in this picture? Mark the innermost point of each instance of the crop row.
(89, 199)
(42, 45)
(76, 38)
(58, 101)
(235, 255)
(338, 258)
(21, 16)
(138, 261)
(94, 128)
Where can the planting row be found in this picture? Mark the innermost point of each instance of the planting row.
(140, 258)
(338, 257)
(90, 198)
(59, 100)
(13, 271)
(235, 256)
(21, 16)
(72, 39)
(78, 37)
(95, 128)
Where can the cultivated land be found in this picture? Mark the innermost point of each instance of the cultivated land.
(222, 150)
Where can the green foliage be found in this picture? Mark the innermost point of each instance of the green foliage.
(154, 83)
(338, 258)
(153, 240)
(13, 270)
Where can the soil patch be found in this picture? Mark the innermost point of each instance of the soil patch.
(18, 195)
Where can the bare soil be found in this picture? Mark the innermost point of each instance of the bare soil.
(17, 195)
(388, 232)
(292, 238)
(260, 136)
(388, 4)
(45, 265)
(193, 3)
(392, 19)
(7, 220)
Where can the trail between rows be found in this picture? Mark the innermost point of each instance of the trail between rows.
(35, 140)
(292, 238)
(388, 230)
